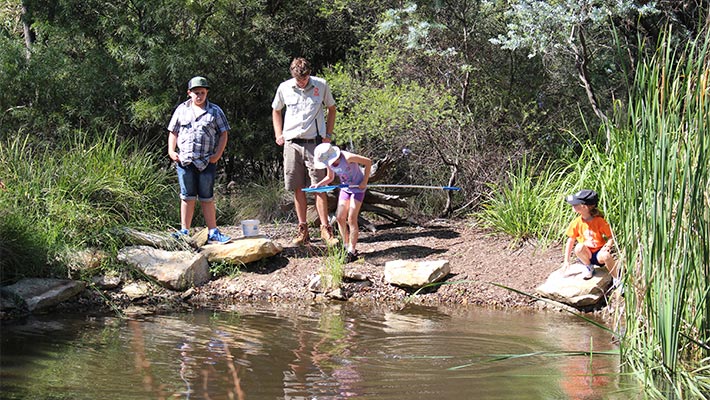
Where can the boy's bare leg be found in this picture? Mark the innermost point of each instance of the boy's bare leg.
(187, 210)
(209, 211)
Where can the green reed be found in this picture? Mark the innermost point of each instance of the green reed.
(331, 273)
(662, 149)
(522, 206)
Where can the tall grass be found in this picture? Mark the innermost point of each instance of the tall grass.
(655, 190)
(531, 204)
(664, 144)
(331, 273)
(255, 200)
(73, 196)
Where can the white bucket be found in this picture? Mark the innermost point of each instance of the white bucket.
(250, 227)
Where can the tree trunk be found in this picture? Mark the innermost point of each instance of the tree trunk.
(27, 30)
(581, 60)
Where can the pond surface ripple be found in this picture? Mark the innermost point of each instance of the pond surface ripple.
(337, 351)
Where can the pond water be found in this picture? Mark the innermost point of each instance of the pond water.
(297, 351)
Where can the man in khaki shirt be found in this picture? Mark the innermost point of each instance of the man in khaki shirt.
(303, 126)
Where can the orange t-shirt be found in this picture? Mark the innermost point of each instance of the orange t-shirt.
(592, 234)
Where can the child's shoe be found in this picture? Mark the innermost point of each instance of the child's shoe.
(181, 234)
(216, 237)
(589, 273)
(352, 256)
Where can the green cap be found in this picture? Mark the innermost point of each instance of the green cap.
(198, 81)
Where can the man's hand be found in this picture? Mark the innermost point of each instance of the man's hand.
(280, 140)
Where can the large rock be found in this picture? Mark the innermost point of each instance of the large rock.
(415, 274)
(176, 270)
(570, 288)
(243, 250)
(41, 293)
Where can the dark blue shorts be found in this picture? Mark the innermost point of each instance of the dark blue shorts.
(196, 184)
(594, 259)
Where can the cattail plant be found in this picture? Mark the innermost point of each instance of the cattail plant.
(663, 231)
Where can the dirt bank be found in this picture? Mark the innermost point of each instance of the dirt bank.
(478, 258)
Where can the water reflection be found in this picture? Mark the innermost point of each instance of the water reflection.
(308, 352)
(322, 363)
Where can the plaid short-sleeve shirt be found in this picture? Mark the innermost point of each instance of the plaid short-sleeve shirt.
(197, 133)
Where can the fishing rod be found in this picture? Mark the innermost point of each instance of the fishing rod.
(333, 187)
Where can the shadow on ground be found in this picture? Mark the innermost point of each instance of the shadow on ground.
(433, 232)
(379, 257)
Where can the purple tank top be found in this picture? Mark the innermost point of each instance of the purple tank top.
(348, 173)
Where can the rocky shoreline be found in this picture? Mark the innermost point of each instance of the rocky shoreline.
(482, 265)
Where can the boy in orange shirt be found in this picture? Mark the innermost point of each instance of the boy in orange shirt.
(591, 233)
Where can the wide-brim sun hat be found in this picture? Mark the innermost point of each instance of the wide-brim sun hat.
(325, 154)
(585, 196)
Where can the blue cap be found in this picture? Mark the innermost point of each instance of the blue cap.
(584, 196)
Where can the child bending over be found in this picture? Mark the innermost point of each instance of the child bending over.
(351, 169)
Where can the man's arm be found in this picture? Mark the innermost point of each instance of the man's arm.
(278, 123)
(330, 120)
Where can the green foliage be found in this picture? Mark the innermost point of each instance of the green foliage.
(23, 250)
(529, 205)
(544, 27)
(390, 112)
(661, 147)
(226, 269)
(74, 196)
(331, 274)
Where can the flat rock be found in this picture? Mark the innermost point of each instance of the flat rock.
(415, 274)
(175, 270)
(41, 293)
(242, 250)
(570, 288)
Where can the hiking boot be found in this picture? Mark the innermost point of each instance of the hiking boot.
(589, 272)
(302, 235)
(352, 256)
(326, 233)
(216, 237)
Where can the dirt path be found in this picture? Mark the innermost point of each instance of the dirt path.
(477, 259)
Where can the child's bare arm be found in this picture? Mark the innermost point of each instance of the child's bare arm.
(569, 246)
(365, 162)
(328, 178)
(608, 245)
